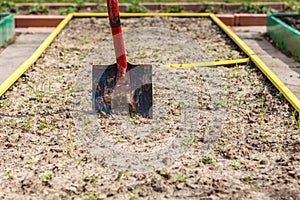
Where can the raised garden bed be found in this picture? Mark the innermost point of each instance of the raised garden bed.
(284, 31)
(7, 28)
(239, 135)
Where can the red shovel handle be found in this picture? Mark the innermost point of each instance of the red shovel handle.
(116, 30)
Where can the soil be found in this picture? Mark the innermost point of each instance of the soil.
(216, 133)
(292, 21)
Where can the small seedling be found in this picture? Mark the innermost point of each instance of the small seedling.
(91, 196)
(262, 112)
(5, 103)
(13, 124)
(256, 187)
(119, 175)
(30, 164)
(43, 124)
(189, 140)
(248, 177)
(91, 179)
(235, 165)
(47, 178)
(8, 173)
(279, 95)
(165, 173)
(135, 7)
(182, 178)
(26, 124)
(38, 9)
(120, 139)
(208, 160)
(296, 120)
(173, 9)
(136, 118)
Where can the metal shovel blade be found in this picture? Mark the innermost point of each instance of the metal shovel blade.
(139, 100)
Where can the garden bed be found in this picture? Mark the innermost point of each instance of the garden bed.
(226, 131)
(284, 31)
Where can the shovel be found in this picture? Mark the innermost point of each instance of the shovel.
(121, 88)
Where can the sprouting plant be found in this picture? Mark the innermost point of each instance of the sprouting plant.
(296, 120)
(262, 112)
(248, 177)
(26, 124)
(256, 187)
(173, 9)
(293, 5)
(68, 137)
(255, 8)
(30, 164)
(38, 9)
(235, 165)
(164, 172)
(235, 72)
(135, 7)
(8, 6)
(279, 95)
(39, 92)
(216, 147)
(119, 175)
(207, 159)
(222, 102)
(13, 123)
(5, 103)
(102, 9)
(211, 9)
(189, 140)
(9, 175)
(120, 139)
(180, 105)
(43, 124)
(136, 118)
(47, 178)
(91, 196)
(91, 179)
(182, 178)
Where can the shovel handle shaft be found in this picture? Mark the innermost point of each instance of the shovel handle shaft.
(116, 30)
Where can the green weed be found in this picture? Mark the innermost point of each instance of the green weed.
(262, 112)
(235, 165)
(208, 160)
(47, 178)
(9, 175)
(8, 6)
(91, 179)
(38, 9)
(91, 196)
(182, 178)
(189, 140)
(248, 177)
(296, 120)
(135, 7)
(255, 8)
(173, 9)
(30, 164)
(5, 103)
(43, 124)
(293, 5)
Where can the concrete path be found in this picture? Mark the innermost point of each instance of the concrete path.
(24, 46)
(285, 68)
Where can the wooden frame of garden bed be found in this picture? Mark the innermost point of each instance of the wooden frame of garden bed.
(294, 101)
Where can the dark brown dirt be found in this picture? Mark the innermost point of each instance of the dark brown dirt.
(239, 137)
(292, 21)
